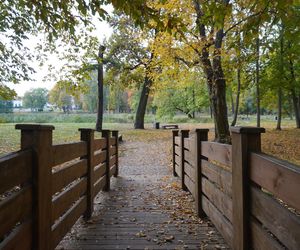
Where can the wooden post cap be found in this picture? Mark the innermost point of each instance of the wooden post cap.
(34, 127)
(247, 130)
(86, 130)
(184, 131)
(201, 130)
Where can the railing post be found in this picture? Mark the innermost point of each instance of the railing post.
(200, 135)
(174, 133)
(106, 135)
(183, 134)
(87, 135)
(115, 133)
(244, 140)
(39, 139)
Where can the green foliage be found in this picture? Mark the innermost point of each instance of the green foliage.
(6, 106)
(59, 96)
(35, 99)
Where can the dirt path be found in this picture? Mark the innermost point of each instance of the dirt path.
(145, 208)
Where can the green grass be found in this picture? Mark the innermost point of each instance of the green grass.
(67, 130)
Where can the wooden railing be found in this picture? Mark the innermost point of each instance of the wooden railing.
(252, 198)
(45, 188)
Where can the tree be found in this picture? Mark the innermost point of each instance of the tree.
(60, 97)
(129, 51)
(100, 84)
(35, 99)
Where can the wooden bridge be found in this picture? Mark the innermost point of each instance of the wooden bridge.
(242, 197)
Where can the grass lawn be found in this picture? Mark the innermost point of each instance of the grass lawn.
(283, 144)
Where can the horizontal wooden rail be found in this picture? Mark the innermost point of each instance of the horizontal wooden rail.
(217, 152)
(66, 152)
(48, 187)
(15, 169)
(279, 177)
(243, 191)
(68, 174)
(99, 144)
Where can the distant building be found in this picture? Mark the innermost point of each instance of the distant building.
(17, 103)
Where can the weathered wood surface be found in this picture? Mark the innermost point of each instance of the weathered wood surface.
(15, 169)
(20, 238)
(281, 222)
(218, 175)
(218, 198)
(217, 152)
(177, 140)
(67, 174)
(279, 177)
(67, 152)
(69, 196)
(99, 144)
(67, 221)
(143, 210)
(14, 209)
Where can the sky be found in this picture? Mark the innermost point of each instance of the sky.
(103, 30)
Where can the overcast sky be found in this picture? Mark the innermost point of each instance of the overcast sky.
(103, 30)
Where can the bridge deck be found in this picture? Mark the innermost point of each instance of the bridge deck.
(145, 208)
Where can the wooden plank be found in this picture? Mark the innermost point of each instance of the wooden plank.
(220, 200)
(189, 157)
(178, 171)
(99, 172)
(66, 152)
(99, 158)
(65, 199)
(261, 239)
(112, 170)
(67, 221)
(190, 184)
(14, 209)
(177, 140)
(220, 222)
(187, 144)
(112, 160)
(177, 159)
(15, 169)
(190, 171)
(278, 177)
(217, 152)
(218, 175)
(68, 174)
(99, 185)
(20, 238)
(112, 151)
(112, 141)
(177, 150)
(279, 220)
(99, 144)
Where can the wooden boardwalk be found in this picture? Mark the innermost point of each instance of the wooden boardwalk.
(145, 208)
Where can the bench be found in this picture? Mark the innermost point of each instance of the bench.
(169, 126)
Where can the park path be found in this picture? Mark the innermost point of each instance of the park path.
(145, 209)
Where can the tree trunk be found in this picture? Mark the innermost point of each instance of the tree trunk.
(232, 103)
(140, 113)
(215, 77)
(278, 127)
(100, 90)
(296, 101)
(296, 108)
(257, 85)
(237, 101)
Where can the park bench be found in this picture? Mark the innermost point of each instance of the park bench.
(170, 126)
